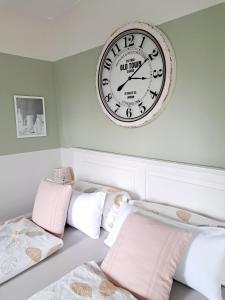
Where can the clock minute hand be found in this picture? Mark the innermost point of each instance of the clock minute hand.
(139, 67)
(130, 77)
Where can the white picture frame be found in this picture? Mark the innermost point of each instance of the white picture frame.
(30, 116)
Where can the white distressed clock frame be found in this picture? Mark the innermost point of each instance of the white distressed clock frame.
(170, 76)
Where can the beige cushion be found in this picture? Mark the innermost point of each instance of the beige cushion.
(144, 257)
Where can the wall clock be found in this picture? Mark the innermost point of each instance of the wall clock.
(135, 74)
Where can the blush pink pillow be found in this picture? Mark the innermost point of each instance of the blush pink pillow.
(144, 257)
(51, 205)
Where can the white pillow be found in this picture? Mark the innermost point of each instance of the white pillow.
(85, 212)
(124, 211)
(202, 264)
(114, 197)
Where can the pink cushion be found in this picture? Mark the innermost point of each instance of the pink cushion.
(144, 257)
(51, 205)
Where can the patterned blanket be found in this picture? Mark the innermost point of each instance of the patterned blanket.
(22, 245)
(85, 282)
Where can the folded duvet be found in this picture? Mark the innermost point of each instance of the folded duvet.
(85, 282)
(22, 245)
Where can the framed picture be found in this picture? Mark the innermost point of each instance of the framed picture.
(30, 116)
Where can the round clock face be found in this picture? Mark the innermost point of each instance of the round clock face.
(135, 74)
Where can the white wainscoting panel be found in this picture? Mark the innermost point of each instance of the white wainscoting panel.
(19, 178)
(196, 188)
(199, 189)
(109, 169)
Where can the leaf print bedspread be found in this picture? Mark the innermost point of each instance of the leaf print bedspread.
(22, 245)
(85, 282)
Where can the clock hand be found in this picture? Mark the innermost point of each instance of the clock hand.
(142, 78)
(122, 85)
(139, 67)
(130, 77)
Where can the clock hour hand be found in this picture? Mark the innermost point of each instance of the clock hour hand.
(131, 77)
(122, 85)
(142, 78)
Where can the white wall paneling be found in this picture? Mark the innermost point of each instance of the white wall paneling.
(200, 189)
(109, 169)
(19, 178)
(197, 188)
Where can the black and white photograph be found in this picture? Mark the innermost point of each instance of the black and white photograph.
(30, 116)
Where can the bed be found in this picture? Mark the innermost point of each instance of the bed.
(75, 252)
(182, 185)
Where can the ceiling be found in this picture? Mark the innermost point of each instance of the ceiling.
(51, 9)
(46, 9)
(54, 29)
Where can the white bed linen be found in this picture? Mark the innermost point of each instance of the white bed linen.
(78, 248)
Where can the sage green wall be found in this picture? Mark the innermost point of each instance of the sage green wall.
(192, 127)
(24, 76)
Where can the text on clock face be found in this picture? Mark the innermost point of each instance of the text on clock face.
(130, 65)
(132, 75)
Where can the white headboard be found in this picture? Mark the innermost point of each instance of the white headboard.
(196, 188)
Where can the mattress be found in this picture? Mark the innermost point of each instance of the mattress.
(78, 248)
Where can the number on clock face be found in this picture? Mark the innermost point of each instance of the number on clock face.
(131, 75)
